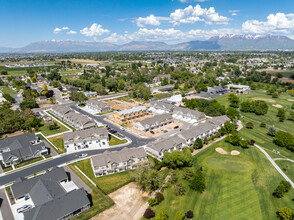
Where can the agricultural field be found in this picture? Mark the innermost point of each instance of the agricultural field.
(238, 187)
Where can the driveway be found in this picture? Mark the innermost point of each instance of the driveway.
(4, 206)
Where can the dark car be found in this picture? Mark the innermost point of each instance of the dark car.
(152, 132)
(176, 127)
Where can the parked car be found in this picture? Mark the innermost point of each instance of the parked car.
(83, 155)
(165, 131)
(152, 132)
(109, 128)
(176, 127)
(24, 208)
(123, 129)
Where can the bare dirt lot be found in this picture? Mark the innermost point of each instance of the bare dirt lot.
(129, 204)
(263, 99)
(117, 106)
(12, 134)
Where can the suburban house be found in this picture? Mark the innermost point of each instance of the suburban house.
(118, 161)
(154, 122)
(129, 114)
(98, 106)
(73, 118)
(93, 138)
(21, 148)
(167, 144)
(49, 196)
(180, 113)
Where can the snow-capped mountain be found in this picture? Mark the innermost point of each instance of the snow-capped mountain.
(221, 42)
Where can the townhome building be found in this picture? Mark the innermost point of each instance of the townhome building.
(154, 122)
(161, 107)
(49, 196)
(130, 114)
(97, 106)
(167, 144)
(21, 148)
(118, 161)
(188, 115)
(73, 118)
(93, 138)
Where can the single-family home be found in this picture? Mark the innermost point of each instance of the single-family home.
(118, 161)
(20, 148)
(48, 197)
(93, 138)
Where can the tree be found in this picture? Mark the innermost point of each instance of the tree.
(271, 131)
(49, 94)
(45, 89)
(234, 139)
(139, 90)
(28, 103)
(78, 97)
(285, 213)
(233, 113)
(189, 214)
(173, 177)
(98, 88)
(188, 173)
(161, 215)
(249, 125)
(149, 213)
(148, 179)
(234, 100)
(152, 202)
(291, 117)
(281, 114)
(121, 85)
(198, 182)
(179, 189)
(262, 124)
(8, 97)
(179, 215)
(159, 196)
(177, 159)
(284, 139)
(198, 144)
(291, 92)
(281, 189)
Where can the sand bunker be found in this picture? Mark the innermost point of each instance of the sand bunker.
(221, 151)
(278, 106)
(263, 99)
(235, 152)
(291, 100)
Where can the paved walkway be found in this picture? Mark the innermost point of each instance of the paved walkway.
(77, 180)
(284, 159)
(275, 165)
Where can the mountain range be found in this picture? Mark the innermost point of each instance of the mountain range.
(221, 42)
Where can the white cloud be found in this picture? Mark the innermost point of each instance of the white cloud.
(71, 32)
(234, 12)
(94, 30)
(57, 30)
(149, 20)
(167, 35)
(189, 1)
(278, 23)
(190, 15)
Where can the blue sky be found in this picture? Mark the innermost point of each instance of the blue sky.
(121, 21)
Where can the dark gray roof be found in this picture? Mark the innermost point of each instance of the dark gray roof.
(59, 207)
(155, 120)
(166, 143)
(24, 186)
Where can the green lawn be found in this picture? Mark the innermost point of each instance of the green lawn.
(8, 90)
(45, 130)
(61, 121)
(99, 200)
(161, 96)
(109, 183)
(115, 141)
(28, 162)
(58, 142)
(287, 167)
(271, 117)
(238, 187)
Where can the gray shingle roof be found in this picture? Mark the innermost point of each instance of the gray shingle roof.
(88, 134)
(155, 120)
(118, 156)
(98, 104)
(166, 143)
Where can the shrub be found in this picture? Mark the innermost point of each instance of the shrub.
(263, 125)
(173, 177)
(281, 189)
(249, 125)
(189, 214)
(149, 213)
(252, 142)
(179, 189)
(188, 173)
(284, 139)
(179, 215)
(159, 197)
(198, 182)
(153, 202)
(198, 143)
(272, 131)
(285, 213)
(161, 215)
